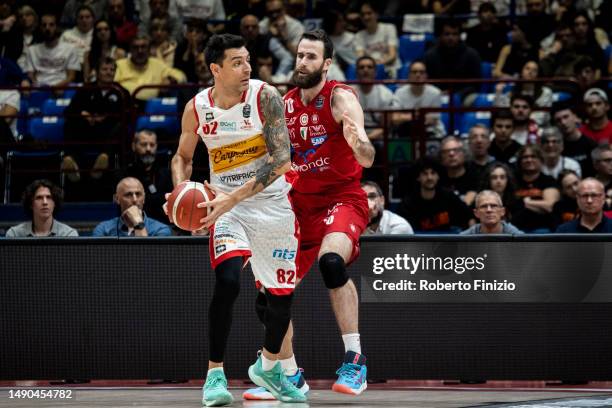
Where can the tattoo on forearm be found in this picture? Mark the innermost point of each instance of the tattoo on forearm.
(275, 134)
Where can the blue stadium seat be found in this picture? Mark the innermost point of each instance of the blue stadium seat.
(53, 107)
(161, 106)
(484, 100)
(38, 98)
(69, 93)
(170, 124)
(486, 72)
(403, 71)
(47, 128)
(561, 96)
(412, 46)
(351, 72)
(469, 119)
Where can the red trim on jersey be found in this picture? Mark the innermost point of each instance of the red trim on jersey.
(296, 231)
(280, 291)
(243, 96)
(244, 253)
(261, 118)
(195, 111)
(210, 99)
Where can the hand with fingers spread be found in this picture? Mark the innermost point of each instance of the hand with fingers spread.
(222, 203)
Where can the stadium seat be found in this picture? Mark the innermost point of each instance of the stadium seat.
(69, 93)
(24, 167)
(403, 71)
(484, 100)
(486, 72)
(52, 107)
(561, 96)
(168, 124)
(412, 46)
(37, 99)
(161, 106)
(47, 128)
(22, 122)
(469, 119)
(351, 72)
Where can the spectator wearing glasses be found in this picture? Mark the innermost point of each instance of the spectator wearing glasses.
(458, 178)
(490, 211)
(282, 26)
(602, 163)
(552, 147)
(381, 221)
(591, 200)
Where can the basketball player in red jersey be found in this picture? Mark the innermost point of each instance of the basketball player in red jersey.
(330, 148)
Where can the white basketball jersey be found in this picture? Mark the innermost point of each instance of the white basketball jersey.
(236, 147)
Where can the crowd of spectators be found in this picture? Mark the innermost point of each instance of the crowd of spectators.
(539, 146)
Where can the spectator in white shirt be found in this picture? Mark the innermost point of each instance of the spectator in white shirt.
(285, 28)
(80, 36)
(552, 147)
(381, 221)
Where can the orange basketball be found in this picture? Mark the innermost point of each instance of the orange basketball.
(182, 205)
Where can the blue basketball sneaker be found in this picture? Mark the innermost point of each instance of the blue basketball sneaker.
(352, 375)
(261, 394)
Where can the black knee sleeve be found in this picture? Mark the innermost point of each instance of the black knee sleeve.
(277, 318)
(227, 288)
(333, 270)
(261, 304)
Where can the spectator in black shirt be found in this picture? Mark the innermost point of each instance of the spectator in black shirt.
(431, 208)
(479, 142)
(515, 55)
(536, 24)
(591, 200)
(537, 192)
(576, 145)
(457, 178)
(566, 209)
(503, 148)
(489, 36)
(500, 178)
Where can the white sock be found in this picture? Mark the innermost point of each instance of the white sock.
(351, 342)
(289, 365)
(215, 369)
(266, 364)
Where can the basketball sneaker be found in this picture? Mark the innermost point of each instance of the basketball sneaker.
(352, 375)
(275, 382)
(215, 393)
(261, 394)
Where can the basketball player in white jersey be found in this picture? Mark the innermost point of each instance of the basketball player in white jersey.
(242, 123)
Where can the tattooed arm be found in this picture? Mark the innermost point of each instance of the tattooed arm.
(278, 162)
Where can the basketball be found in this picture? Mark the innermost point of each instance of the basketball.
(182, 205)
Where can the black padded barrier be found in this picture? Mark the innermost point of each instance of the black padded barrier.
(133, 308)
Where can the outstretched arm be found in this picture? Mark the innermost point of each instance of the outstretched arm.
(346, 109)
(276, 137)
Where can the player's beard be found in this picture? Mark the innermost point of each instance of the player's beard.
(308, 81)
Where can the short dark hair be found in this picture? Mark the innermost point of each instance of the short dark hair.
(534, 148)
(450, 22)
(582, 63)
(106, 61)
(85, 7)
(30, 192)
(522, 97)
(320, 35)
(487, 7)
(427, 163)
(561, 106)
(365, 57)
(218, 43)
(502, 114)
(374, 185)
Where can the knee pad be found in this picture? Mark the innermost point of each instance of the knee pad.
(333, 270)
(279, 305)
(227, 285)
(261, 304)
(277, 318)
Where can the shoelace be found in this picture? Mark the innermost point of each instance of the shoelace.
(216, 381)
(282, 378)
(349, 370)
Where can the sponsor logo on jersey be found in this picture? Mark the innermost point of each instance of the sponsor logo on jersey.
(304, 132)
(220, 249)
(291, 133)
(291, 121)
(246, 125)
(304, 119)
(237, 154)
(240, 177)
(319, 102)
(289, 105)
(209, 116)
(227, 126)
(318, 140)
(315, 118)
(283, 254)
(318, 165)
(246, 111)
(318, 130)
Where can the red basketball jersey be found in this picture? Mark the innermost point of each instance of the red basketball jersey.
(321, 157)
